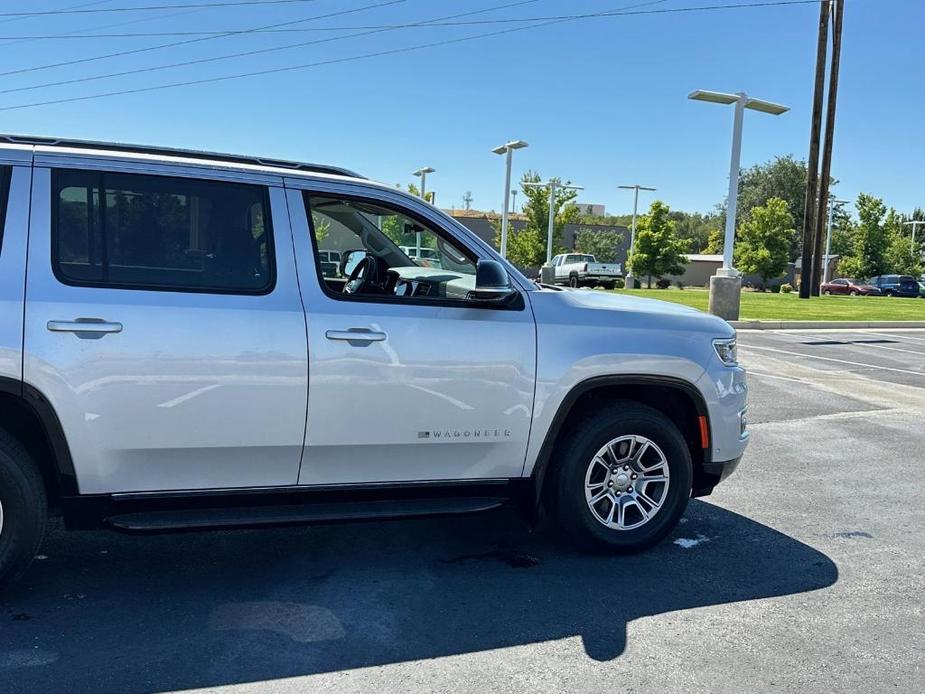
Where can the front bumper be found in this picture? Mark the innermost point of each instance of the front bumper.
(711, 474)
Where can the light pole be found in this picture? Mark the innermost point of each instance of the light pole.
(629, 284)
(828, 237)
(553, 184)
(422, 172)
(508, 149)
(726, 286)
(915, 223)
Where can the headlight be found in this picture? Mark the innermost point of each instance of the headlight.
(726, 350)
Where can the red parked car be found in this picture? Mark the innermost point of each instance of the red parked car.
(849, 286)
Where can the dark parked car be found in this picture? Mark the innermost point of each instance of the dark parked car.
(896, 285)
(849, 286)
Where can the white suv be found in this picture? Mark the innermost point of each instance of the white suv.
(173, 357)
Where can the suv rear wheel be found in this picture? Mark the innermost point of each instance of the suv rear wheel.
(623, 479)
(23, 508)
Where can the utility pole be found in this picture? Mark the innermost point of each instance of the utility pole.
(812, 166)
(553, 184)
(837, 13)
(630, 280)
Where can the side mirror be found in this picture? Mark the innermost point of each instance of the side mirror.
(349, 261)
(492, 283)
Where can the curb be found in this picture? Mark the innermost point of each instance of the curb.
(822, 324)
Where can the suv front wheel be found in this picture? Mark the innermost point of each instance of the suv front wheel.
(622, 479)
(23, 508)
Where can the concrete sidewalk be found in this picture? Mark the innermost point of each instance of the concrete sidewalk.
(822, 324)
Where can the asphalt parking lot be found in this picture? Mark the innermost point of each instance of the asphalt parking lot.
(803, 572)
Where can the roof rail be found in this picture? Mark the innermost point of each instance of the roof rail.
(176, 152)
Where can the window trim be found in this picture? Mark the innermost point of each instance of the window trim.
(6, 187)
(307, 193)
(100, 175)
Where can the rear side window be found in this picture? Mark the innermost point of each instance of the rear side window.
(156, 232)
(4, 197)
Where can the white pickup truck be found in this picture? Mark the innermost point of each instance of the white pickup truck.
(583, 270)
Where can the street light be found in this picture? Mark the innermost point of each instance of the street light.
(915, 223)
(635, 187)
(742, 101)
(725, 285)
(828, 237)
(553, 184)
(508, 149)
(422, 172)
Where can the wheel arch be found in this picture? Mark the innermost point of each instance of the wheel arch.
(678, 399)
(30, 418)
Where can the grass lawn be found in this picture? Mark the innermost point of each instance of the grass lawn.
(758, 305)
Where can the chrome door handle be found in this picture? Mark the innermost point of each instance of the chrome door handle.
(83, 325)
(358, 335)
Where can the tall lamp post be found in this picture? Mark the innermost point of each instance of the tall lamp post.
(828, 237)
(422, 173)
(508, 149)
(726, 285)
(915, 224)
(629, 284)
(553, 184)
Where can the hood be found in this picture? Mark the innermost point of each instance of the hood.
(634, 309)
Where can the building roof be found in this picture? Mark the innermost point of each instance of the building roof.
(703, 258)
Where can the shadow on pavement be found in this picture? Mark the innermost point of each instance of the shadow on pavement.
(105, 612)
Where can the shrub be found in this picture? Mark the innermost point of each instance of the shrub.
(663, 284)
(786, 288)
(619, 284)
(679, 284)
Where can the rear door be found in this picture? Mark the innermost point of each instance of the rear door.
(411, 382)
(164, 324)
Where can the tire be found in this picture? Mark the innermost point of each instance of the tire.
(577, 469)
(853, 292)
(573, 281)
(23, 506)
(888, 292)
(827, 292)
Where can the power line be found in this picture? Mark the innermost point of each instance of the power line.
(241, 54)
(509, 20)
(147, 49)
(81, 9)
(377, 54)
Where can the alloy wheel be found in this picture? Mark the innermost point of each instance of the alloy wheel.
(626, 483)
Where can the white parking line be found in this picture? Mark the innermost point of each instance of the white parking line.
(832, 359)
(849, 343)
(903, 334)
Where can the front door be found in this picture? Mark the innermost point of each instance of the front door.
(409, 380)
(165, 326)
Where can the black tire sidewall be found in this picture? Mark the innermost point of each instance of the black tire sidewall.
(24, 512)
(574, 514)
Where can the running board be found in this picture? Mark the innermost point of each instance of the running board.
(302, 514)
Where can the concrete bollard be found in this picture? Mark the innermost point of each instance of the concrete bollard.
(725, 293)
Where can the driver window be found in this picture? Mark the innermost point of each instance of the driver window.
(370, 249)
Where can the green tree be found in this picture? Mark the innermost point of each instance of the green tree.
(871, 241)
(716, 242)
(657, 250)
(763, 243)
(781, 177)
(527, 248)
(695, 228)
(604, 245)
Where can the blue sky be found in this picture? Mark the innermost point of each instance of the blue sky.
(601, 101)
